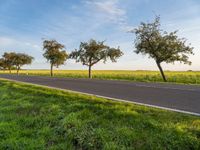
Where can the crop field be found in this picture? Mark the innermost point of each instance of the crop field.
(33, 117)
(184, 77)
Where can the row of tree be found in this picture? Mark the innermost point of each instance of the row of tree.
(89, 53)
(14, 60)
(150, 40)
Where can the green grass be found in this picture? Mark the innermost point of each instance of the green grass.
(183, 77)
(33, 117)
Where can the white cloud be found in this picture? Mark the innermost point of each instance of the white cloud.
(109, 11)
(5, 41)
(23, 46)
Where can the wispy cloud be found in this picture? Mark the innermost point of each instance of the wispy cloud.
(108, 8)
(109, 11)
(10, 44)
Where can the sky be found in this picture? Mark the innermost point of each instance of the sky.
(25, 23)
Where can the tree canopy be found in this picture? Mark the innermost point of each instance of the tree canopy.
(8, 60)
(54, 53)
(161, 45)
(92, 52)
(21, 59)
(14, 60)
(2, 64)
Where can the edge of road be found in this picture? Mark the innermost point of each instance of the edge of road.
(109, 98)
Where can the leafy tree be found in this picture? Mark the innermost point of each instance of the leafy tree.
(14, 60)
(2, 64)
(92, 52)
(160, 45)
(8, 60)
(20, 59)
(54, 53)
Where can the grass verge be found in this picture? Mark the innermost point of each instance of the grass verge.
(33, 117)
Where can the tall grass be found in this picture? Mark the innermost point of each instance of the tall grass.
(186, 77)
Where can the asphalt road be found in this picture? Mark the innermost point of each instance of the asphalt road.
(178, 97)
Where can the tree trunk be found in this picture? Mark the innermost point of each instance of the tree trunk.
(90, 72)
(18, 70)
(51, 70)
(161, 72)
(9, 70)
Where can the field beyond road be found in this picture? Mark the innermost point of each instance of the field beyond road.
(33, 117)
(183, 77)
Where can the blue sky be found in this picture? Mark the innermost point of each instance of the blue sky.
(24, 23)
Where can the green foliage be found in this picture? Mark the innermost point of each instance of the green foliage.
(54, 52)
(15, 60)
(160, 45)
(32, 117)
(21, 59)
(2, 64)
(8, 59)
(93, 52)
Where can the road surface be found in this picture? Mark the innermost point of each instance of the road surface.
(184, 98)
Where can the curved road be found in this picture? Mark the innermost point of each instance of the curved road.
(176, 97)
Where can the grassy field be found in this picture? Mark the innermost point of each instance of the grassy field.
(188, 77)
(33, 117)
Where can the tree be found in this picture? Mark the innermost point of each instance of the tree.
(14, 60)
(92, 52)
(160, 45)
(20, 59)
(8, 60)
(54, 53)
(2, 64)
